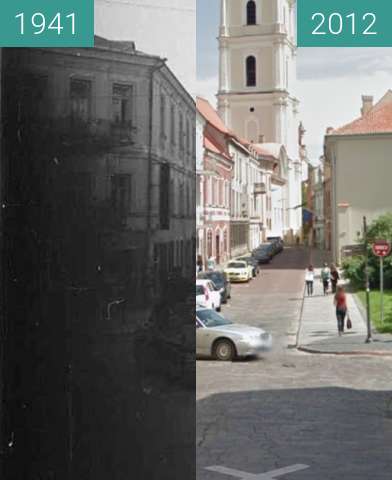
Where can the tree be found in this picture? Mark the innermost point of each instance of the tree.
(380, 229)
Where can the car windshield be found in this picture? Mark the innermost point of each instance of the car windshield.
(235, 265)
(212, 319)
(199, 290)
(216, 278)
(245, 259)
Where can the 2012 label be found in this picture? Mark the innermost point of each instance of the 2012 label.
(38, 23)
(335, 23)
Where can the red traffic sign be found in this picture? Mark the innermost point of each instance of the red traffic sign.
(381, 248)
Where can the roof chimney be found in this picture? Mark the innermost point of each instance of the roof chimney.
(261, 138)
(367, 104)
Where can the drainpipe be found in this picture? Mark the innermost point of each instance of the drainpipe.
(161, 63)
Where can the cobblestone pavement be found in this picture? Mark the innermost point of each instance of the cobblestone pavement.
(332, 414)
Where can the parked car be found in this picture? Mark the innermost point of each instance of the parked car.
(223, 340)
(212, 296)
(238, 271)
(264, 253)
(220, 280)
(278, 241)
(201, 297)
(251, 261)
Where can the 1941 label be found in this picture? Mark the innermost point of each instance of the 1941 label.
(38, 23)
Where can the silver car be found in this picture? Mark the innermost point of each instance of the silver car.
(223, 340)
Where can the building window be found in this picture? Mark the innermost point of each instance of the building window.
(188, 136)
(162, 119)
(164, 197)
(35, 97)
(209, 244)
(251, 13)
(251, 71)
(122, 103)
(172, 125)
(79, 191)
(80, 92)
(121, 195)
(181, 132)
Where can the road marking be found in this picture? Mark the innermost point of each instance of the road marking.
(272, 475)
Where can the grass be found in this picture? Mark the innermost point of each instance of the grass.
(375, 309)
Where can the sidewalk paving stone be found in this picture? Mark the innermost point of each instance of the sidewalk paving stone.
(318, 331)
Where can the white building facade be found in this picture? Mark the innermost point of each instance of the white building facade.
(257, 78)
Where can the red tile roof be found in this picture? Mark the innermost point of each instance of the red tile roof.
(377, 120)
(210, 114)
(212, 147)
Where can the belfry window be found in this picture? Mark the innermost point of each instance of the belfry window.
(251, 13)
(251, 71)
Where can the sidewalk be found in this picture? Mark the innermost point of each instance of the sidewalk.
(318, 328)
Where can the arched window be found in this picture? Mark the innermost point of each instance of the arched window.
(251, 71)
(251, 12)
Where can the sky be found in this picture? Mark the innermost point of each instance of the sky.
(166, 28)
(330, 81)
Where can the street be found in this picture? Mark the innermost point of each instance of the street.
(290, 414)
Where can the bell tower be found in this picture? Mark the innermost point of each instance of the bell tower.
(257, 77)
(258, 70)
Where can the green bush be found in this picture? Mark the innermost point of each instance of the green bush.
(354, 268)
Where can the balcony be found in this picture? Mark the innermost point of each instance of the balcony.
(122, 132)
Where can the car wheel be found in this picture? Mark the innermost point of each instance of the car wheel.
(218, 309)
(224, 350)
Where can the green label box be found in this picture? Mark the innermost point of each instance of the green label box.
(344, 23)
(46, 23)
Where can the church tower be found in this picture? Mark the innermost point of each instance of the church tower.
(257, 78)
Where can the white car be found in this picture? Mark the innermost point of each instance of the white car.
(212, 296)
(223, 340)
(239, 271)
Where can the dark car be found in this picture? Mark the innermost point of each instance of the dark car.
(264, 253)
(278, 242)
(221, 282)
(252, 262)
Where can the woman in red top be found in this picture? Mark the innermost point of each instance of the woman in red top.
(341, 308)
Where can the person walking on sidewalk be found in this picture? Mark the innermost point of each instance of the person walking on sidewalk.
(340, 301)
(335, 277)
(325, 277)
(309, 279)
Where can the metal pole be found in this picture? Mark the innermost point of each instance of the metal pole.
(382, 288)
(367, 284)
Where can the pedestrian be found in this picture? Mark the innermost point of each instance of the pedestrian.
(340, 302)
(335, 277)
(325, 277)
(199, 264)
(211, 263)
(309, 280)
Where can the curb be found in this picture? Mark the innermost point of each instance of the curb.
(302, 308)
(353, 353)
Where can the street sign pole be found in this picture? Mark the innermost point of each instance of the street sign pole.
(382, 288)
(381, 248)
(367, 283)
